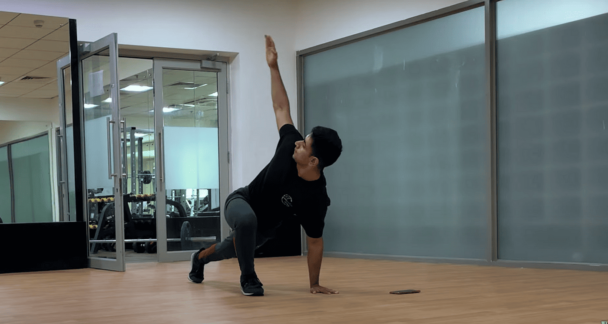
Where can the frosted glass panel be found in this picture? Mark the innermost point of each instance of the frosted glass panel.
(191, 160)
(552, 137)
(5, 187)
(32, 181)
(97, 154)
(191, 157)
(409, 107)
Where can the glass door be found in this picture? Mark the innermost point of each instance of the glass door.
(191, 156)
(103, 155)
(103, 166)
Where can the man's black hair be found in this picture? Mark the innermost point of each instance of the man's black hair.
(326, 146)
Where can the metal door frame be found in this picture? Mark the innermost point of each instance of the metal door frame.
(87, 50)
(222, 105)
(62, 64)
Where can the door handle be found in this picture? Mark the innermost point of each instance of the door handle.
(123, 122)
(161, 169)
(110, 174)
(61, 148)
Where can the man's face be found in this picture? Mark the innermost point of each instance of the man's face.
(303, 151)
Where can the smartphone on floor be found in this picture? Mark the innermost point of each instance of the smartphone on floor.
(403, 292)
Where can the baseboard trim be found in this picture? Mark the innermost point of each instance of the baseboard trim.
(478, 262)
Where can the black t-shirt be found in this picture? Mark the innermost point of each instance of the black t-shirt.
(278, 193)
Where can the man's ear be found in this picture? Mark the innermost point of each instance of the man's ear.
(314, 161)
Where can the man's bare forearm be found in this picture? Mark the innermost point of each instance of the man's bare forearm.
(279, 95)
(315, 257)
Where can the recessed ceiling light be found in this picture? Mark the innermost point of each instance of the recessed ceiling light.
(1, 82)
(167, 109)
(213, 94)
(108, 100)
(185, 105)
(198, 86)
(136, 88)
(89, 106)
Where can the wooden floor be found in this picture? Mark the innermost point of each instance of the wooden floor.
(160, 293)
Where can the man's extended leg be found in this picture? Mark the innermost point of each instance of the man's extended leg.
(241, 243)
(220, 251)
(242, 220)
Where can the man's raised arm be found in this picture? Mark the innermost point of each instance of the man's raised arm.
(280, 102)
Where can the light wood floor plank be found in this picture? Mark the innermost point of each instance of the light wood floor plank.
(160, 293)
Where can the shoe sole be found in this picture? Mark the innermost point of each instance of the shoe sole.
(251, 294)
(192, 261)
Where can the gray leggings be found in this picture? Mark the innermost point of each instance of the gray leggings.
(241, 218)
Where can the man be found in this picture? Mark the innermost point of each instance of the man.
(292, 185)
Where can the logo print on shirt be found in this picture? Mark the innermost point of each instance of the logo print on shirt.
(286, 199)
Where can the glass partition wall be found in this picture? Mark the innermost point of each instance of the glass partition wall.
(411, 117)
(474, 133)
(25, 181)
(6, 204)
(552, 138)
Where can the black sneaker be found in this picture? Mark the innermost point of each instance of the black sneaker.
(252, 287)
(198, 267)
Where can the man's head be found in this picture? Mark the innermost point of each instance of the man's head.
(321, 148)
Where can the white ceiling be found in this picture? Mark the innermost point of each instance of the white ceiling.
(26, 50)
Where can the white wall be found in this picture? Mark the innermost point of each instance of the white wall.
(25, 109)
(14, 130)
(234, 26)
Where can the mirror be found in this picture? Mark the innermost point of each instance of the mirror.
(30, 46)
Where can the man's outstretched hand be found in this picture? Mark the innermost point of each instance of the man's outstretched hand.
(271, 52)
(322, 290)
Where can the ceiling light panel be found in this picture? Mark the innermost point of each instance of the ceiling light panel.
(136, 88)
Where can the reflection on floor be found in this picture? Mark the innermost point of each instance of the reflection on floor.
(130, 256)
(160, 293)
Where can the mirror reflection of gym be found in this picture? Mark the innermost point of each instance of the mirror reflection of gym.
(30, 46)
